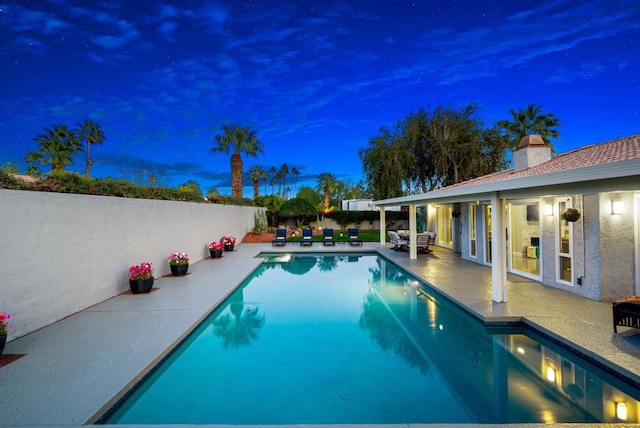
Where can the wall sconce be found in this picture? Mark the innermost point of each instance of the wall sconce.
(548, 210)
(617, 207)
(551, 374)
(621, 411)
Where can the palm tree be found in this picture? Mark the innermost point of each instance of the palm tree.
(255, 174)
(91, 133)
(58, 146)
(239, 140)
(326, 183)
(295, 172)
(531, 121)
(282, 174)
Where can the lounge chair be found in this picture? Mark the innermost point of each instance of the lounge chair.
(398, 243)
(626, 313)
(307, 237)
(354, 237)
(424, 241)
(327, 237)
(280, 238)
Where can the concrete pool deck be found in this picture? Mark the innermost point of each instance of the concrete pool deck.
(73, 368)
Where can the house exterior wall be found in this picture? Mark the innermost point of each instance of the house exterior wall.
(603, 252)
(617, 247)
(62, 253)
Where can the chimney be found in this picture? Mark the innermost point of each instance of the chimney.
(531, 151)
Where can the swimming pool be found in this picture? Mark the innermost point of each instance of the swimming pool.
(335, 338)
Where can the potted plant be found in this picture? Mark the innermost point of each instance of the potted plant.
(5, 328)
(179, 263)
(570, 214)
(141, 278)
(215, 249)
(229, 242)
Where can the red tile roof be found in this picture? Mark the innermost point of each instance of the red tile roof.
(595, 154)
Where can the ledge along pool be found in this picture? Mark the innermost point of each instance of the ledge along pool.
(354, 339)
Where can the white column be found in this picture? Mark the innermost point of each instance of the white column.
(498, 250)
(383, 228)
(413, 250)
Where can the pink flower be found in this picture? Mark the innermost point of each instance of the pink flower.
(215, 245)
(142, 271)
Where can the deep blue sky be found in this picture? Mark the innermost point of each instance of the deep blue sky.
(315, 79)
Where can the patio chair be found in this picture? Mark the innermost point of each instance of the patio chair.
(424, 241)
(307, 237)
(327, 237)
(398, 243)
(280, 238)
(354, 236)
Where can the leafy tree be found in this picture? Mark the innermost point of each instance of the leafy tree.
(191, 186)
(58, 146)
(299, 209)
(255, 174)
(9, 168)
(310, 195)
(386, 162)
(327, 183)
(91, 133)
(531, 121)
(239, 140)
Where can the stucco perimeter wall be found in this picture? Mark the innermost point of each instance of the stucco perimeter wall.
(61, 253)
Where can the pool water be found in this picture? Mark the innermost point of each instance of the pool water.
(354, 339)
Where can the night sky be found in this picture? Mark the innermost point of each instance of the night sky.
(315, 79)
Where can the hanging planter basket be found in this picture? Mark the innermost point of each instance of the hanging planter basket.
(571, 215)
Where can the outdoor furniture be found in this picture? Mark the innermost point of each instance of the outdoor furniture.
(398, 243)
(626, 313)
(354, 237)
(424, 240)
(327, 237)
(307, 237)
(280, 238)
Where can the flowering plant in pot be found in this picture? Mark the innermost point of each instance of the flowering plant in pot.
(228, 242)
(215, 249)
(179, 263)
(141, 278)
(5, 328)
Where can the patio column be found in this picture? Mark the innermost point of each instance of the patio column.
(498, 250)
(383, 224)
(413, 250)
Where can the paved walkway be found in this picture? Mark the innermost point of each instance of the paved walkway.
(74, 367)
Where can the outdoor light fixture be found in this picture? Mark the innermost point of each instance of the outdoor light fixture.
(551, 374)
(548, 210)
(621, 411)
(616, 207)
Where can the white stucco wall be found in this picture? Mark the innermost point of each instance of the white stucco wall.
(61, 253)
(617, 248)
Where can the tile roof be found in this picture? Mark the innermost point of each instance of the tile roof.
(595, 154)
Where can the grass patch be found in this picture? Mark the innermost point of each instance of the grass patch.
(365, 235)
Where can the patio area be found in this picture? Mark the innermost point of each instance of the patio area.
(71, 369)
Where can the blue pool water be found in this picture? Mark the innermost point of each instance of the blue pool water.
(328, 339)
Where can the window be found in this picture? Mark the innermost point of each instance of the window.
(472, 231)
(564, 245)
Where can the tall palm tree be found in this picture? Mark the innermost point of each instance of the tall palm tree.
(239, 140)
(92, 133)
(326, 184)
(284, 171)
(255, 174)
(295, 172)
(272, 175)
(58, 146)
(531, 121)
